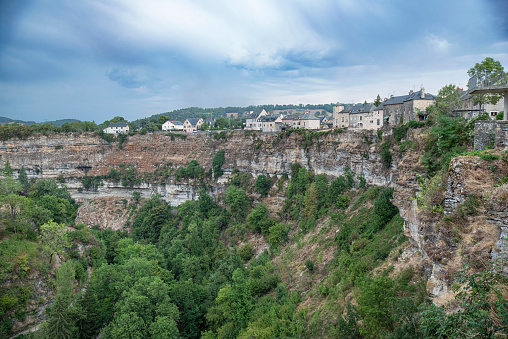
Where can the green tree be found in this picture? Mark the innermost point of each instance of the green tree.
(448, 99)
(18, 208)
(486, 72)
(258, 219)
(310, 202)
(53, 238)
(60, 322)
(136, 196)
(377, 102)
(162, 119)
(218, 160)
(237, 201)
(383, 207)
(263, 185)
(7, 171)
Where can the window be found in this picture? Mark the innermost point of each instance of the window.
(378, 122)
(493, 113)
(360, 118)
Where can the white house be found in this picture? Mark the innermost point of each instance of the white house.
(192, 124)
(172, 125)
(117, 128)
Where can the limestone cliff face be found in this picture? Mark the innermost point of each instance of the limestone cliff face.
(470, 231)
(439, 246)
(73, 155)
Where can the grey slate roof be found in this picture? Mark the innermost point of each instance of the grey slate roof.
(358, 108)
(177, 122)
(268, 118)
(193, 121)
(417, 96)
(403, 98)
(118, 124)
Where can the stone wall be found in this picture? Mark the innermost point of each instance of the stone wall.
(490, 134)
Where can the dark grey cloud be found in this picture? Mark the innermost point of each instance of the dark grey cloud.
(125, 77)
(160, 55)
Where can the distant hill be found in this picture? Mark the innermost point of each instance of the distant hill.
(196, 112)
(5, 120)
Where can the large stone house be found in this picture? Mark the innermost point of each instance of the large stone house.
(307, 121)
(339, 121)
(253, 121)
(117, 128)
(359, 114)
(403, 108)
(172, 125)
(470, 109)
(192, 125)
(271, 123)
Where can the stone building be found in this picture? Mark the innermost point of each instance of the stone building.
(470, 109)
(403, 108)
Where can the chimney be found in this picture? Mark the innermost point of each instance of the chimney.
(391, 96)
(422, 93)
(410, 92)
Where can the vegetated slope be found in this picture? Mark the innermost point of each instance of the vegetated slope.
(310, 256)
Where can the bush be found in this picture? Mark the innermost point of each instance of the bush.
(246, 252)
(386, 154)
(309, 264)
(278, 234)
(342, 201)
(263, 185)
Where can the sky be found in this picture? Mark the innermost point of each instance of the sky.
(95, 59)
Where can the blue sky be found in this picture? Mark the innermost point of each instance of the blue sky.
(95, 59)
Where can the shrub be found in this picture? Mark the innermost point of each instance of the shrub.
(246, 252)
(263, 185)
(309, 264)
(386, 154)
(342, 201)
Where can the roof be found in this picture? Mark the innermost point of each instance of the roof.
(269, 118)
(193, 121)
(412, 96)
(417, 96)
(177, 122)
(308, 116)
(395, 100)
(118, 124)
(359, 108)
(292, 117)
(252, 116)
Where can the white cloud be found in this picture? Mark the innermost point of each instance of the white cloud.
(437, 44)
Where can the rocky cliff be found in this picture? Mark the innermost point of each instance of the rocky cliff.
(75, 155)
(471, 229)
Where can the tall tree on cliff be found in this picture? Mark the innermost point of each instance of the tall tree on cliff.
(489, 70)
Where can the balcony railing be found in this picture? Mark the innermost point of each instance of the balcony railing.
(488, 81)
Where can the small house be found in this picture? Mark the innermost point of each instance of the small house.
(117, 128)
(172, 126)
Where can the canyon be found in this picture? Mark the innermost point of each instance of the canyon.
(437, 250)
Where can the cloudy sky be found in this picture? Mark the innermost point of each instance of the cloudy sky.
(95, 59)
